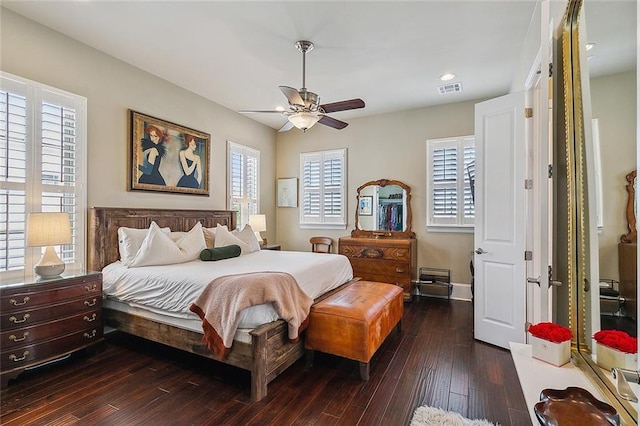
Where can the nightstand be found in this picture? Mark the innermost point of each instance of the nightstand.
(271, 247)
(45, 319)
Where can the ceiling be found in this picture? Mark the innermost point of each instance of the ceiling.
(388, 53)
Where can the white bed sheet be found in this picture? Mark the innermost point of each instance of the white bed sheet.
(170, 289)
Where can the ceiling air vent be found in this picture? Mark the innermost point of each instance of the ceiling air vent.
(450, 88)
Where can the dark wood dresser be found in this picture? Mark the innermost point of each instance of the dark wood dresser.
(41, 321)
(386, 260)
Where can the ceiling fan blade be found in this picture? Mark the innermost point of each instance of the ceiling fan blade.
(286, 126)
(332, 122)
(251, 111)
(342, 105)
(292, 95)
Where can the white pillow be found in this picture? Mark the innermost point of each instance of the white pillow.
(130, 240)
(248, 236)
(159, 249)
(226, 238)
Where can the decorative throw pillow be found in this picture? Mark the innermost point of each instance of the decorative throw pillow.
(130, 240)
(220, 253)
(226, 238)
(209, 237)
(158, 248)
(249, 236)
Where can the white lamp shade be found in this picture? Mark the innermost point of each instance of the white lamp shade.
(48, 229)
(304, 120)
(258, 222)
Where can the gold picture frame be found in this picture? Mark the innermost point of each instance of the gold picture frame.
(167, 157)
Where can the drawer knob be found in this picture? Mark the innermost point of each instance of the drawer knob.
(19, 339)
(92, 287)
(92, 335)
(14, 302)
(87, 319)
(17, 321)
(92, 303)
(14, 358)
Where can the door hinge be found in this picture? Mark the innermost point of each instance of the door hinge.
(528, 112)
(528, 183)
(550, 171)
(550, 69)
(528, 255)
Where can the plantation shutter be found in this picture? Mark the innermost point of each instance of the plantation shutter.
(323, 199)
(244, 190)
(449, 196)
(42, 138)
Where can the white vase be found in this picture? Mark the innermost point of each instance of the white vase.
(550, 352)
(607, 358)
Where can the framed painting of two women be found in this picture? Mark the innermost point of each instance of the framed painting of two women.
(167, 157)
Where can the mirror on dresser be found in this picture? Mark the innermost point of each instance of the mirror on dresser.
(383, 209)
(382, 247)
(589, 236)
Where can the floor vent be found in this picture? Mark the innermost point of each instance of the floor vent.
(450, 88)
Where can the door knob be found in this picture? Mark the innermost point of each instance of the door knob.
(479, 250)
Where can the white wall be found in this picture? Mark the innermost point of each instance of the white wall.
(111, 86)
(389, 146)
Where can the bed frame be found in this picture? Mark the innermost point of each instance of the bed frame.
(270, 351)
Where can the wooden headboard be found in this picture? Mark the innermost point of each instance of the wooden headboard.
(104, 222)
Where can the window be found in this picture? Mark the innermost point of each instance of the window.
(323, 194)
(244, 191)
(450, 164)
(42, 158)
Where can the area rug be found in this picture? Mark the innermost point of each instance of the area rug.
(430, 416)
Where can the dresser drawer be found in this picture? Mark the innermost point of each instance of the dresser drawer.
(29, 354)
(28, 317)
(28, 335)
(35, 295)
(365, 251)
(381, 267)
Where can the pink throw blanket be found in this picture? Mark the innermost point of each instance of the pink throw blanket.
(221, 301)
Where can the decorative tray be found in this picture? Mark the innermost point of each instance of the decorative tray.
(574, 406)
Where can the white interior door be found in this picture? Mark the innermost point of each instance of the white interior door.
(500, 222)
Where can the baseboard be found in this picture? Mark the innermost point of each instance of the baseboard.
(459, 291)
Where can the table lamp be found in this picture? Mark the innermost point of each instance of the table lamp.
(48, 230)
(258, 223)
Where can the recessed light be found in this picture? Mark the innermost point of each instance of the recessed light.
(590, 46)
(447, 77)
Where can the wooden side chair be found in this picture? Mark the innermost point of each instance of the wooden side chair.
(321, 244)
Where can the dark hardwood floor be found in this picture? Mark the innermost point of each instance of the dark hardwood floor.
(434, 361)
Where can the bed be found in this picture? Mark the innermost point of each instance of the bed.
(265, 351)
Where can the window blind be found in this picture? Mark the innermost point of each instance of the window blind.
(323, 188)
(42, 137)
(449, 196)
(243, 180)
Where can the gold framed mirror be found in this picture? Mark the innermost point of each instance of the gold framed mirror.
(576, 230)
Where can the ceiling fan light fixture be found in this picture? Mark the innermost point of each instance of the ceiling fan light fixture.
(304, 120)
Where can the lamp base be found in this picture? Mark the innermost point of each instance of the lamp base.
(49, 265)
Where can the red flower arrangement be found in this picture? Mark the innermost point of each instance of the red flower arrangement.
(617, 339)
(551, 332)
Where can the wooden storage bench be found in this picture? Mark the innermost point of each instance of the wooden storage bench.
(354, 322)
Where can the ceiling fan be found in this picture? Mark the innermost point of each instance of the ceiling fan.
(305, 109)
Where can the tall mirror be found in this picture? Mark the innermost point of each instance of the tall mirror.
(599, 97)
(383, 209)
